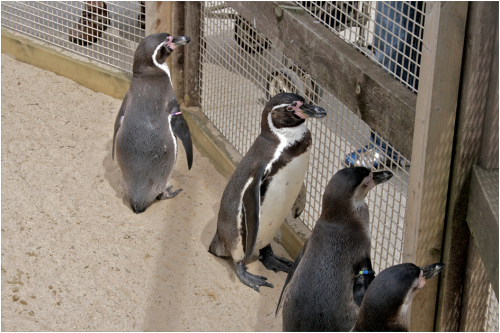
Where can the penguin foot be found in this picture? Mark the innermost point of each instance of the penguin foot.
(273, 262)
(276, 263)
(167, 194)
(249, 279)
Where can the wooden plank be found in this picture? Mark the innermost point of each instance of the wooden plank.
(475, 301)
(177, 57)
(192, 54)
(482, 219)
(432, 147)
(489, 153)
(364, 87)
(471, 110)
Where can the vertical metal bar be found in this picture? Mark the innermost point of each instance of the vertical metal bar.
(432, 147)
(192, 54)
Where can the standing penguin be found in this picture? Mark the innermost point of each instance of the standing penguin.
(387, 300)
(327, 281)
(148, 123)
(264, 186)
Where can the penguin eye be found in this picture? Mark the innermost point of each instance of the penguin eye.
(289, 108)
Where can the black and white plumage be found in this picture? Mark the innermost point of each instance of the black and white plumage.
(148, 123)
(264, 187)
(324, 289)
(388, 298)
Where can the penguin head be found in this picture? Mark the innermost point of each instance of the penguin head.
(388, 298)
(154, 50)
(348, 188)
(288, 110)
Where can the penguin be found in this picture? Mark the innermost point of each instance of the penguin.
(388, 298)
(327, 282)
(264, 186)
(148, 123)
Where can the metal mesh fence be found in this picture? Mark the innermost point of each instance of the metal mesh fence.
(388, 32)
(241, 70)
(108, 32)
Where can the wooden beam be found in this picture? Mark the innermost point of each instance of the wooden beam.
(192, 54)
(475, 294)
(177, 57)
(483, 219)
(476, 68)
(432, 147)
(489, 153)
(364, 87)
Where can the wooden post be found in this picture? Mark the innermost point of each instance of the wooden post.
(475, 294)
(432, 147)
(489, 152)
(177, 57)
(192, 54)
(158, 17)
(476, 69)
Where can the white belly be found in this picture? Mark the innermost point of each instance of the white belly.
(280, 197)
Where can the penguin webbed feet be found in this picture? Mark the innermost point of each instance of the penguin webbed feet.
(249, 279)
(167, 194)
(272, 261)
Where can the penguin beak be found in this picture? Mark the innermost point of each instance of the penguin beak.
(432, 270)
(174, 42)
(311, 111)
(381, 177)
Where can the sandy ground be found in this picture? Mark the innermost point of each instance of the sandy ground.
(76, 258)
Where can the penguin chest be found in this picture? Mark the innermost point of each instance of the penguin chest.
(146, 152)
(279, 198)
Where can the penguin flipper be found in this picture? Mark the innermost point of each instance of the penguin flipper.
(362, 282)
(118, 122)
(181, 130)
(290, 276)
(251, 203)
(300, 202)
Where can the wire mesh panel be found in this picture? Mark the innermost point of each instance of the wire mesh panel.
(241, 70)
(108, 32)
(388, 32)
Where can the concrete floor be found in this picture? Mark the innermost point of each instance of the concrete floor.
(74, 255)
